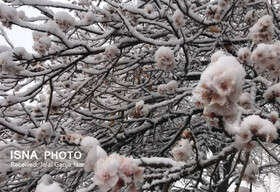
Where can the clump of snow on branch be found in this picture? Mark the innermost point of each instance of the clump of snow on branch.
(243, 189)
(217, 56)
(42, 42)
(46, 184)
(114, 171)
(7, 15)
(273, 92)
(165, 58)
(167, 88)
(242, 3)
(214, 12)
(74, 138)
(219, 88)
(182, 151)
(244, 55)
(251, 172)
(7, 65)
(149, 8)
(245, 100)
(178, 19)
(44, 132)
(111, 51)
(64, 21)
(140, 109)
(266, 57)
(255, 126)
(263, 30)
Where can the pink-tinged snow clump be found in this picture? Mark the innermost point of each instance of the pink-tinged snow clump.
(140, 109)
(273, 92)
(111, 51)
(46, 184)
(251, 17)
(114, 171)
(42, 43)
(244, 55)
(245, 100)
(255, 126)
(91, 146)
(224, 3)
(214, 12)
(263, 30)
(167, 88)
(64, 21)
(182, 151)
(217, 56)
(165, 58)
(7, 65)
(7, 15)
(178, 19)
(44, 132)
(251, 172)
(219, 89)
(266, 57)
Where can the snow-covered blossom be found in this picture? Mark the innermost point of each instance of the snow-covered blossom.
(254, 126)
(44, 132)
(274, 116)
(75, 138)
(263, 30)
(167, 88)
(245, 100)
(182, 151)
(111, 51)
(178, 19)
(266, 57)
(7, 65)
(214, 12)
(22, 53)
(251, 172)
(88, 18)
(219, 88)
(273, 92)
(46, 184)
(84, 2)
(7, 15)
(96, 152)
(64, 21)
(42, 45)
(88, 142)
(242, 3)
(115, 171)
(244, 55)
(165, 58)
(140, 109)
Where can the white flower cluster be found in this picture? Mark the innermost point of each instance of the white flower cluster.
(182, 151)
(111, 51)
(273, 92)
(245, 100)
(255, 126)
(251, 17)
(140, 109)
(7, 65)
(42, 42)
(167, 88)
(44, 132)
(178, 19)
(266, 57)
(7, 15)
(251, 172)
(165, 58)
(64, 21)
(244, 55)
(214, 12)
(114, 171)
(219, 88)
(263, 30)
